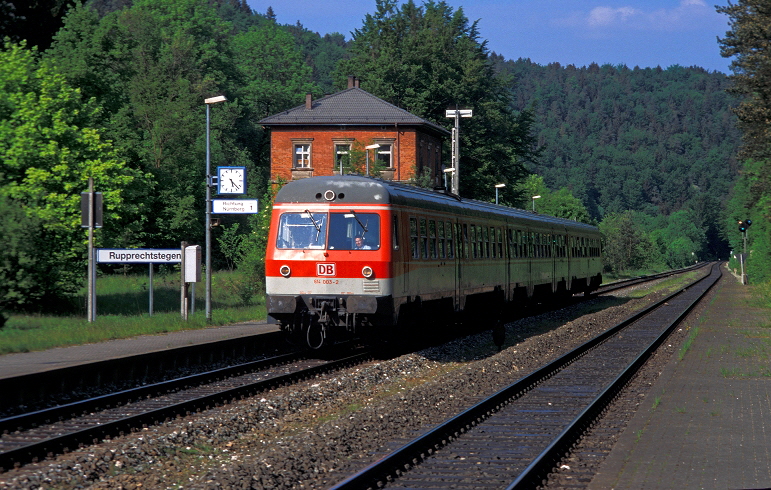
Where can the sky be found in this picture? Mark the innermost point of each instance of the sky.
(644, 33)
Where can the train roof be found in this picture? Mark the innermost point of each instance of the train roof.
(357, 189)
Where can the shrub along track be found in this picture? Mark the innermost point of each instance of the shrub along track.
(314, 433)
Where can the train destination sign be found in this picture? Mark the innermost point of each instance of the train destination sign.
(138, 256)
(234, 206)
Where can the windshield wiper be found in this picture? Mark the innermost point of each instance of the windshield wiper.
(352, 214)
(318, 228)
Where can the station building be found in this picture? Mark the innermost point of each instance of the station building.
(319, 137)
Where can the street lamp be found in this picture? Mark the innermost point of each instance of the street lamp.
(209, 102)
(498, 186)
(534, 198)
(370, 147)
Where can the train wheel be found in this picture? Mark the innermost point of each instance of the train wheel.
(316, 335)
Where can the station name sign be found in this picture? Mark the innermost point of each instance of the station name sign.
(138, 256)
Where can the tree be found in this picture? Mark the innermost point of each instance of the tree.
(748, 42)
(561, 203)
(49, 148)
(626, 246)
(426, 59)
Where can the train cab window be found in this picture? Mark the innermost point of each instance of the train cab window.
(354, 231)
(432, 238)
(306, 230)
(450, 230)
(414, 238)
(423, 239)
(440, 238)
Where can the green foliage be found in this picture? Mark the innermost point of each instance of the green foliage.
(50, 144)
(561, 203)
(427, 58)
(747, 41)
(626, 245)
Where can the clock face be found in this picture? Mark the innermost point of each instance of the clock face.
(232, 180)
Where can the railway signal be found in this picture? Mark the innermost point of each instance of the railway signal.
(743, 225)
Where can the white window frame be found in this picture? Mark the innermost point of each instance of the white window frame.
(302, 154)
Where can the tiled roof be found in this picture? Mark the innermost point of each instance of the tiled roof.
(352, 106)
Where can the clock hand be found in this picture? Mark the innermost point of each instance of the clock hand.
(234, 184)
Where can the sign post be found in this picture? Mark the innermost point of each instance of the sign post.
(91, 217)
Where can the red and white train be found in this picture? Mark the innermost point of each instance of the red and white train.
(354, 255)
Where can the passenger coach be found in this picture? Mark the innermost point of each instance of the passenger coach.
(351, 255)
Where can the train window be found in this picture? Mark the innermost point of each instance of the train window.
(354, 231)
(465, 241)
(500, 243)
(450, 234)
(302, 230)
(423, 239)
(481, 239)
(432, 238)
(490, 244)
(473, 241)
(440, 237)
(395, 231)
(414, 238)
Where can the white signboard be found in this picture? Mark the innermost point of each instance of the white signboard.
(234, 206)
(138, 256)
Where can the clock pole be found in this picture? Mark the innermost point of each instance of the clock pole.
(209, 102)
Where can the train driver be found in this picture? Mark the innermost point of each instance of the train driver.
(359, 243)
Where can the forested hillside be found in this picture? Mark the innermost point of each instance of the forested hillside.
(652, 140)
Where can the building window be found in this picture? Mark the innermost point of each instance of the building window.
(302, 155)
(384, 154)
(342, 156)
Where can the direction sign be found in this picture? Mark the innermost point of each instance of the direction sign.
(234, 206)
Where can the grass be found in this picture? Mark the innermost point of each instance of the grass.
(122, 312)
(687, 344)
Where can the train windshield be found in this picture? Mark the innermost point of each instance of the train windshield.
(336, 231)
(354, 231)
(302, 230)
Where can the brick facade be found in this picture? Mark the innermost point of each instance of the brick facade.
(304, 140)
(412, 151)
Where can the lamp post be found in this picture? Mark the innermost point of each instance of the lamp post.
(534, 198)
(498, 186)
(209, 102)
(370, 147)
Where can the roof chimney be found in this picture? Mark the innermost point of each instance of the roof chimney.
(309, 101)
(351, 81)
(356, 82)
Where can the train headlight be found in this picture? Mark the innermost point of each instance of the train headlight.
(367, 271)
(285, 270)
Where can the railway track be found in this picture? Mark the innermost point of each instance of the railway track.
(34, 436)
(517, 436)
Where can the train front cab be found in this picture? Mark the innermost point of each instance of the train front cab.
(328, 270)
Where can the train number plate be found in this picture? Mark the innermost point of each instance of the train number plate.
(325, 270)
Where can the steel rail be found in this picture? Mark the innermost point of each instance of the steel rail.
(65, 442)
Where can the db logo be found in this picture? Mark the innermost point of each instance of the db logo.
(325, 269)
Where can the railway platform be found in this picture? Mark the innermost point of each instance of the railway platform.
(39, 361)
(706, 422)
